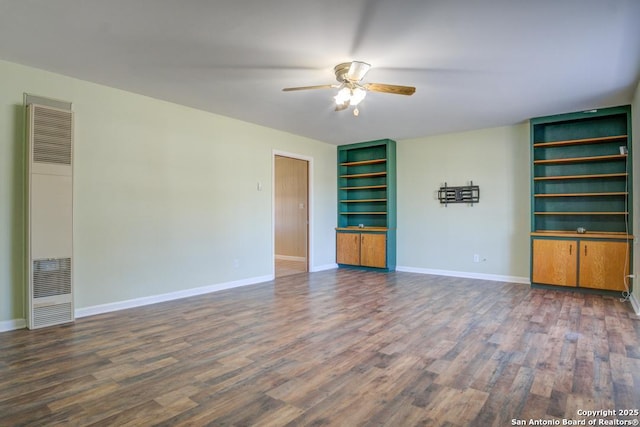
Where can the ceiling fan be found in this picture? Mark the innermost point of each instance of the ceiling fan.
(351, 90)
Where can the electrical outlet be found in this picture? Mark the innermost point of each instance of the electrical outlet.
(476, 258)
(236, 263)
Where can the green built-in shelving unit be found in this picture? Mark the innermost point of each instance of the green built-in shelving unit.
(366, 232)
(581, 197)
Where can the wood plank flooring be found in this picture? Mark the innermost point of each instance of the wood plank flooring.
(285, 267)
(336, 348)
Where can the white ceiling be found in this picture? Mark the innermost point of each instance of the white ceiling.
(475, 64)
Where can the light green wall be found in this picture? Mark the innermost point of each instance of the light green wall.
(165, 196)
(635, 152)
(434, 237)
(11, 202)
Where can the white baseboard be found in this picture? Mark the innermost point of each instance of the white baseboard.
(290, 258)
(635, 304)
(138, 302)
(467, 275)
(323, 267)
(10, 325)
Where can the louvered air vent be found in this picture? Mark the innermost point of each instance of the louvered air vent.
(51, 277)
(52, 136)
(52, 315)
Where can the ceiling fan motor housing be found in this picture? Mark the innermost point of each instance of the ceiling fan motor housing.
(351, 72)
(341, 71)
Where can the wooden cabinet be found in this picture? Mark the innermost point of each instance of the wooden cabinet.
(555, 262)
(581, 263)
(581, 195)
(373, 250)
(348, 248)
(367, 204)
(603, 265)
(361, 249)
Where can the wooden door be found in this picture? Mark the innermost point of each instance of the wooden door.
(603, 265)
(348, 248)
(373, 250)
(555, 262)
(291, 219)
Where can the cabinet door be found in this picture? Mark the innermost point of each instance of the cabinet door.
(348, 248)
(373, 250)
(555, 262)
(603, 265)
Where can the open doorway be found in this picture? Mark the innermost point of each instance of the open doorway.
(291, 215)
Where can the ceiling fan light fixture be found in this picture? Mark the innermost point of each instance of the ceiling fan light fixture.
(357, 95)
(343, 96)
(351, 95)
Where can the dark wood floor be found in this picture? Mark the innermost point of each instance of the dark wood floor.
(342, 347)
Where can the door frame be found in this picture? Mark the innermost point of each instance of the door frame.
(309, 161)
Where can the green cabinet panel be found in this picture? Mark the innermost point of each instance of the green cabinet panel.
(367, 192)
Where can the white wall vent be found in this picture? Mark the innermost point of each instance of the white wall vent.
(52, 136)
(50, 216)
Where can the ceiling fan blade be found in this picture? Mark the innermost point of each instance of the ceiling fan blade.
(394, 89)
(289, 89)
(357, 70)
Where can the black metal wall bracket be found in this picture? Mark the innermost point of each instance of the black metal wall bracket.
(463, 194)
